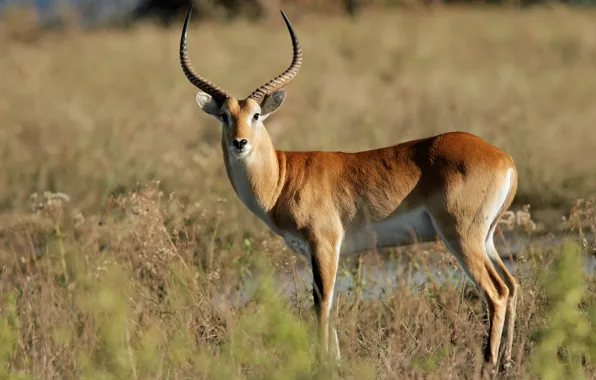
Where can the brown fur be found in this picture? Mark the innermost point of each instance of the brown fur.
(320, 196)
(325, 203)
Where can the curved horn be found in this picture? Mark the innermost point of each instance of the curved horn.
(284, 78)
(203, 84)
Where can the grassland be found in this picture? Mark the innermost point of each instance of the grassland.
(103, 278)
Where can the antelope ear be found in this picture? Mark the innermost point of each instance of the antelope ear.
(272, 102)
(208, 104)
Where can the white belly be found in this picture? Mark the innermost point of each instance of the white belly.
(398, 230)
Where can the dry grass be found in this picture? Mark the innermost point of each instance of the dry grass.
(125, 283)
(92, 114)
(131, 297)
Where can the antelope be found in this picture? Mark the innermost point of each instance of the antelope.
(326, 204)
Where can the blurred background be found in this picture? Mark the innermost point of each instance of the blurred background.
(90, 12)
(93, 101)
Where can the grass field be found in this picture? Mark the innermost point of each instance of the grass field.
(110, 275)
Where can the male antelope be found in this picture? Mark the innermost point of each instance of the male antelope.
(325, 204)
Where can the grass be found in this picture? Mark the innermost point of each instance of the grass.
(103, 278)
(92, 114)
(131, 297)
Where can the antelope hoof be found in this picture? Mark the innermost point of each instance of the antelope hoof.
(508, 365)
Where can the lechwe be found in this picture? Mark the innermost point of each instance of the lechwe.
(325, 204)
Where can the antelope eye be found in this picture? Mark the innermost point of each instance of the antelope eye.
(257, 116)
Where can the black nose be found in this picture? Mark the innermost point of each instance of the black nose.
(239, 143)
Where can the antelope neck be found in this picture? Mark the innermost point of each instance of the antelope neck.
(257, 178)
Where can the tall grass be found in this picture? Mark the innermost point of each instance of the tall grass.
(92, 114)
(130, 298)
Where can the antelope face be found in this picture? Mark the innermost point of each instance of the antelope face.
(242, 121)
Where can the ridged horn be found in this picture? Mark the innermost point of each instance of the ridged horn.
(203, 84)
(284, 78)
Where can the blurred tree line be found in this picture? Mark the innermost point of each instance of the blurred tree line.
(90, 12)
(94, 12)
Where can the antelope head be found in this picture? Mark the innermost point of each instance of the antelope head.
(242, 120)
